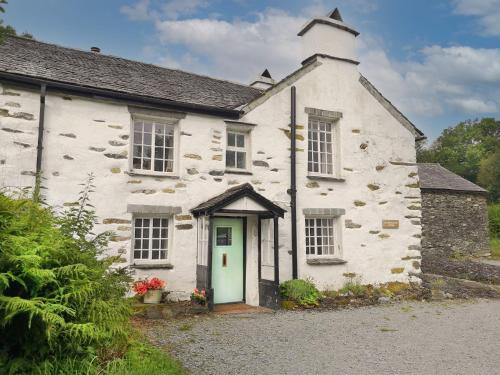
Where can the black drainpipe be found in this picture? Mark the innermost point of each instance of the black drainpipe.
(293, 180)
(39, 147)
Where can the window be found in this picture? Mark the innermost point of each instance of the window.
(153, 146)
(267, 233)
(320, 237)
(320, 147)
(150, 239)
(236, 150)
(224, 236)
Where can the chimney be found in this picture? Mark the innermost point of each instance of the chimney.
(95, 49)
(264, 81)
(329, 36)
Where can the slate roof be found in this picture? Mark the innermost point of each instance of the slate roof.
(435, 177)
(233, 194)
(27, 57)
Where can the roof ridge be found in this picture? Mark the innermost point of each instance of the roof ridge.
(130, 60)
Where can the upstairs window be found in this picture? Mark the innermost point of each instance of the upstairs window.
(150, 239)
(153, 146)
(237, 150)
(320, 147)
(320, 237)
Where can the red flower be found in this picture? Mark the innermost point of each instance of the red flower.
(141, 287)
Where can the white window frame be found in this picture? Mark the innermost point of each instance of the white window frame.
(160, 120)
(170, 242)
(267, 244)
(203, 234)
(335, 148)
(247, 149)
(337, 237)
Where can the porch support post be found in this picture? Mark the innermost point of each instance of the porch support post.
(259, 248)
(209, 261)
(276, 252)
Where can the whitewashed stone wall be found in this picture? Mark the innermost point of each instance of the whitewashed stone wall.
(92, 136)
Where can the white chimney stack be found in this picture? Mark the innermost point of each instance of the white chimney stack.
(329, 36)
(264, 81)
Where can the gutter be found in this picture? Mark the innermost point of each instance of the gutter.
(293, 179)
(39, 147)
(131, 98)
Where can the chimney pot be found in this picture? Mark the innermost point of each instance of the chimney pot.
(95, 49)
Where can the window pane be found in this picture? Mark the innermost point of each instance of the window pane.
(223, 236)
(230, 159)
(231, 139)
(241, 156)
(240, 140)
(148, 127)
(147, 139)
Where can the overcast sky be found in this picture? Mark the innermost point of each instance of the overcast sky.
(437, 60)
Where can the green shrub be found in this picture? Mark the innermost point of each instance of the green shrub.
(61, 302)
(303, 292)
(494, 220)
(353, 286)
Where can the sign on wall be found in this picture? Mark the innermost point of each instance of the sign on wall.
(390, 224)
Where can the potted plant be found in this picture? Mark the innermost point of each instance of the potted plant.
(199, 300)
(150, 289)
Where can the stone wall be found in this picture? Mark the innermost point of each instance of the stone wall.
(454, 224)
(377, 179)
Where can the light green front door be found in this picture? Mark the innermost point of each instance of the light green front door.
(227, 260)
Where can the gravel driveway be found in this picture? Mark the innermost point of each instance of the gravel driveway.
(408, 338)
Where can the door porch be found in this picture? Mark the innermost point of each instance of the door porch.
(220, 243)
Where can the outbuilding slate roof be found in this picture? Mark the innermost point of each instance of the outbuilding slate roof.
(27, 57)
(435, 177)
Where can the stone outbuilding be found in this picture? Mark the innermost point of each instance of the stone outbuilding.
(454, 214)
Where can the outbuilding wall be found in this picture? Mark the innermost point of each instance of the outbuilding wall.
(454, 223)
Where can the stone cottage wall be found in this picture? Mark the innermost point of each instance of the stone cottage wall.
(378, 183)
(454, 223)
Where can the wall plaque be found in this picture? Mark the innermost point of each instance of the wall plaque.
(390, 224)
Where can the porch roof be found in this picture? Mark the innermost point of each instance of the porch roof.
(234, 194)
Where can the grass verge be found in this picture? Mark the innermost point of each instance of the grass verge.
(495, 248)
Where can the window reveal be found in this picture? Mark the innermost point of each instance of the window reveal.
(320, 237)
(153, 148)
(320, 147)
(236, 150)
(150, 238)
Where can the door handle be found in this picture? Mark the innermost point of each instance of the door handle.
(224, 260)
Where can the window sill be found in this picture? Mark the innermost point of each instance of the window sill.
(152, 174)
(233, 171)
(152, 266)
(324, 261)
(325, 178)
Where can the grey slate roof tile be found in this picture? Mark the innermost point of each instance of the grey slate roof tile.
(435, 177)
(89, 69)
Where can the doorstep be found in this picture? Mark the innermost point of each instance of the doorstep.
(239, 308)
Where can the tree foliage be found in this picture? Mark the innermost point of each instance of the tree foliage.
(60, 299)
(465, 149)
(7, 29)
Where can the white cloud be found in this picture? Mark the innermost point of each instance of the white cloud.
(175, 8)
(238, 50)
(447, 79)
(143, 10)
(487, 11)
(137, 12)
(436, 80)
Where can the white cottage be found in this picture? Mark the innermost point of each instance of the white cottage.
(215, 184)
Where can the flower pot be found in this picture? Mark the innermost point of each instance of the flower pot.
(153, 296)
